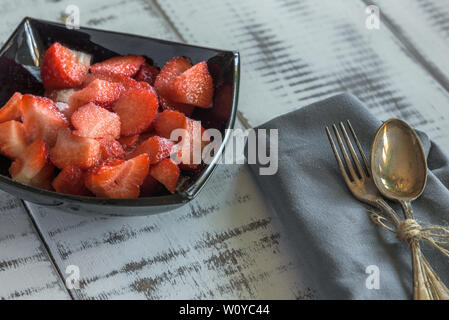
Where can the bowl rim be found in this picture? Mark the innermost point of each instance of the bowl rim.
(176, 198)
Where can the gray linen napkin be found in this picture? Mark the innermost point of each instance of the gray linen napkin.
(331, 230)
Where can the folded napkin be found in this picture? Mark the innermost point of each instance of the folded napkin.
(331, 230)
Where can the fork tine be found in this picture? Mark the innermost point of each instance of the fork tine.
(355, 158)
(367, 165)
(345, 154)
(337, 156)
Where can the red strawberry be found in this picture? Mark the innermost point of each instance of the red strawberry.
(100, 92)
(59, 95)
(168, 121)
(156, 147)
(73, 150)
(127, 65)
(118, 178)
(11, 110)
(193, 148)
(169, 72)
(111, 149)
(92, 121)
(147, 73)
(32, 160)
(125, 81)
(165, 104)
(44, 177)
(167, 173)
(129, 142)
(194, 86)
(63, 68)
(71, 181)
(136, 109)
(13, 140)
(41, 119)
(150, 187)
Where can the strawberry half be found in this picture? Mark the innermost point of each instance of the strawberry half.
(125, 81)
(118, 178)
(13, 140)
(194, 148)
(167, 173)
(136, 109)
(63, 68)
(147, 73)
(127, 65)
(195, 86)
(92, 121)
(73, 150)
(100, 92)
(11, 110)
(156, 147)
(169, 72)
(111, 149)
(166, 104)
(168, 121)
(71, 181)
(30, 163)
(41, 118)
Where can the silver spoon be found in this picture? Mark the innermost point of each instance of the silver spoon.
(399, 169)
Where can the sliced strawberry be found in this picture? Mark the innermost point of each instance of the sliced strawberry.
(194, 86)
(111, 149)
(136, 109)
(166, 104)
(13, 140)
(127, 65)
(147, 73)
(129, 142)
(73, 150)
(41, 119)
(31, 161)
(71, 181)
(169, 72)
(63, 68)
(168, 121)
(100, 92)
(59, 95)
(156, 147)
(44, 177)
(125, 81)
(92, 121)
(167, 173)
(118, 178)
(193, 149)
(11, 110)
(150, 187)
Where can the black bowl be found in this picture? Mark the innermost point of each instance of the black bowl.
(19, 71)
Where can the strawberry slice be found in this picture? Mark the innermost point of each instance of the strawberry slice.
(166, 104)
(41, 119)
(92, 121)
(194, 86)
(136, 109)
(127, 65)
(168, 121)
(111, 149)
(59, 95)
(30, 163)
(73, 150)
(11, 110)
(147, 73)
(150, 187)
(13, 140)
(100, 92)
(125, 81)
(194, 148)
(156, 147)
(169, 72)
(118, 178)
(44, 177)
(167, 173)
(130, 142)
(63, 68)
(71, 181)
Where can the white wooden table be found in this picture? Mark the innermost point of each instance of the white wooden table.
(228, 243)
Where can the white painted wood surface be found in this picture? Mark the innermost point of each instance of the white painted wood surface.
(227, 243)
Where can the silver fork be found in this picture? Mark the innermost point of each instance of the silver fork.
(360, 182)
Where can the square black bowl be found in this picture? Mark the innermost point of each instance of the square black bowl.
(19, 71)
